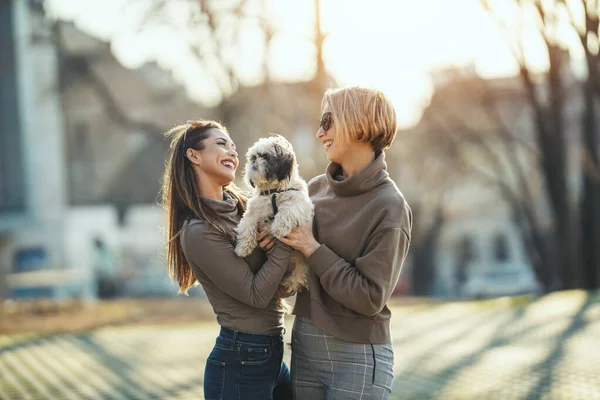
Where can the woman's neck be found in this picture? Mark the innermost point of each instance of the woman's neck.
(358, 159)
(209, 189)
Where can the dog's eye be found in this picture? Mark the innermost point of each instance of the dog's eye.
(253, 158)
(266, 156)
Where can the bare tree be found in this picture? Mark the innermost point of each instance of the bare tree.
(576, 224)
(504, 162)
(466, 129)
(219, 28)
(211, 30)
(590, 202)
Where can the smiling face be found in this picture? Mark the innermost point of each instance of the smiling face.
(359, 115)
(218, 159)
(327, 134)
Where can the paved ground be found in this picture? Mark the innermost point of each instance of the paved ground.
(549, 349)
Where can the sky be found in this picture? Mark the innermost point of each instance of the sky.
(391, 45)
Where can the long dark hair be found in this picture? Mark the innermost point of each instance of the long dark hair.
(180, 197)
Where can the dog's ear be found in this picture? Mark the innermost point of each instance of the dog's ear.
(285, 163)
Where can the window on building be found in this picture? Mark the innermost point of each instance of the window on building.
(465, 253)
(465, 250)
(500, 247)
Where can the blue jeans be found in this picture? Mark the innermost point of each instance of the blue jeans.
(244, 366)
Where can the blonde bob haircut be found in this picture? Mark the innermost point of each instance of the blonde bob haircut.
(362, 114)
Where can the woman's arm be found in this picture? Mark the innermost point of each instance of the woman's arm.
(365, 286)
(214, 254)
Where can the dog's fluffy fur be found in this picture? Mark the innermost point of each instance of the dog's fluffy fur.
(271, 166)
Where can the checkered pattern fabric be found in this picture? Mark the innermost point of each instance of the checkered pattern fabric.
(325, 367)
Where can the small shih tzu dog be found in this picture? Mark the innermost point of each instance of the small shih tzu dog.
(279, 199)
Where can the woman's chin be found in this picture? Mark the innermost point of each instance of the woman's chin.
(228, 178)
(332, 158)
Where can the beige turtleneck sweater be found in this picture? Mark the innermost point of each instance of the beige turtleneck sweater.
(240, 290)
(363, 224)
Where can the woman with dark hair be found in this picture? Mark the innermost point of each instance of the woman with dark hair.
(202, 208)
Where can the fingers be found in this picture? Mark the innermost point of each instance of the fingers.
(264, 239)
(268, 246)
(267, 243)
(262, 235)
(286, 240)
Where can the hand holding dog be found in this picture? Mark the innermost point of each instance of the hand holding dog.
(265, 241)
(301, 238)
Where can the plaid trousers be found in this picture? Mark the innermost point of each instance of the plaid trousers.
(326, 367)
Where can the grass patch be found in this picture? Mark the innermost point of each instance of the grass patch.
(47, 317)
(35, 317)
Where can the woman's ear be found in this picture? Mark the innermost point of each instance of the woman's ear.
(193, 155)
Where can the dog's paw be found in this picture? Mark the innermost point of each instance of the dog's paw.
(244, 247)
(279, 230)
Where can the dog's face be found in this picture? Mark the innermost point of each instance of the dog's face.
(270, 163)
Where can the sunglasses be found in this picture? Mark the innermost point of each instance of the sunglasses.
(325, 121)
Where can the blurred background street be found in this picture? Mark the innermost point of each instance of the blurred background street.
(497, 153)
(511, 348)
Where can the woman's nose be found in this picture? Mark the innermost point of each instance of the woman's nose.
(320, 133)
(233, 153)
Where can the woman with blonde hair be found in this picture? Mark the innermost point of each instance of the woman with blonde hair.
(355, 248)
(202, 208)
